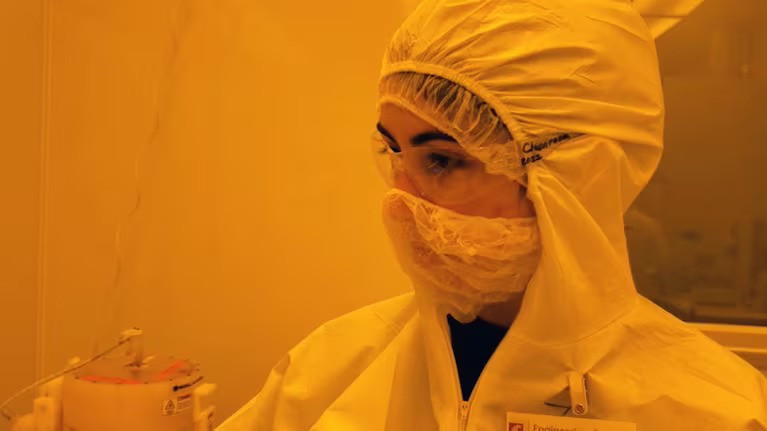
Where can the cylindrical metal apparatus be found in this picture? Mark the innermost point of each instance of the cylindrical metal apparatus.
(116, 395)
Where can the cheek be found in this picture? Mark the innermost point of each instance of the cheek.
(402, 182)
(504, 198)
(521, 207)
(515, 206)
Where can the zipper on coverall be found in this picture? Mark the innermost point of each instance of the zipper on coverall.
(464, 407)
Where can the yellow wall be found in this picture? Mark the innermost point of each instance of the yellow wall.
(259, 201)
(20, 109)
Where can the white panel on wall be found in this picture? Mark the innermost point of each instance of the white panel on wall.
(21, 35)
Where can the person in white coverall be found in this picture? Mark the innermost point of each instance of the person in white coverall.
(515, 134)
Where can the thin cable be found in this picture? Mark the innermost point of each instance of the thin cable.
(159, 97)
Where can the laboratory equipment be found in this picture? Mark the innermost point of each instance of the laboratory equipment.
(121, 391)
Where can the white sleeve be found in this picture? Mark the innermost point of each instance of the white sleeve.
(259, 413)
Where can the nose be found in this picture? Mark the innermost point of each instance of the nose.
(402, 182)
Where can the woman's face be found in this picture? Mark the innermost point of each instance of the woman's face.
(437, 169)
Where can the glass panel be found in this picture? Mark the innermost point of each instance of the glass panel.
(698, 234)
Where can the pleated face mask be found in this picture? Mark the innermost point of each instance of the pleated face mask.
(460, 262)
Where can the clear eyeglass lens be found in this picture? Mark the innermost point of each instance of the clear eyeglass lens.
(441, 175)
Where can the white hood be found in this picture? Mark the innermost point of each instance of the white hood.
(588, 67)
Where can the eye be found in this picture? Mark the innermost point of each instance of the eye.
(441, 164)
(384, 145)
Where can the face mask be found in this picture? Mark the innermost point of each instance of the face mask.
(462, 263)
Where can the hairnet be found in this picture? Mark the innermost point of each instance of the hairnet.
(458, 112)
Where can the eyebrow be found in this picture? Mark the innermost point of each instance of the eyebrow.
(420, 138)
